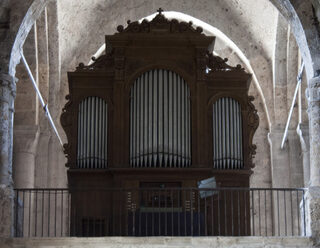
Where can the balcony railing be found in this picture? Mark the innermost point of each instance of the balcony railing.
(159, 212)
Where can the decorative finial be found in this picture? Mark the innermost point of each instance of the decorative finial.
(160, 10)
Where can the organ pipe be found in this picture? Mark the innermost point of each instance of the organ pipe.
(160, 129)
(92, 134)
(227, 134)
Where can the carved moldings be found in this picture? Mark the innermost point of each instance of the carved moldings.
(135, 27)
(66, 119)
(216, 63)
(102, 63)
(160, 24)
(253, 123)
(8, 85)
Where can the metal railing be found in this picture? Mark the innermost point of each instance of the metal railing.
(159, 212)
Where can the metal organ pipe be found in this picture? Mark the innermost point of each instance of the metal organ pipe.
(92, 133)
(227, 134)
(160, 129)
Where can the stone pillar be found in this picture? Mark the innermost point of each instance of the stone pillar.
(280, 160)
(7, 96)
(280, 157)
(314, 125)
(303, 133)
(281, 176)
(313, 193)
(25, 140)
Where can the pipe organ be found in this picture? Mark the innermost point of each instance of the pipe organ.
(227, 134)
(160, 131)
(92, 133)
(158, 108)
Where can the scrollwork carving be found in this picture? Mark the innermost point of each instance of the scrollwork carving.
(66, 123)
(159, 23)
(253, 123)
(67, 152)
(99, 64)
(216, 63)
(68, 103)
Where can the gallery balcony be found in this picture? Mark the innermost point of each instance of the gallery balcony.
(93, 212)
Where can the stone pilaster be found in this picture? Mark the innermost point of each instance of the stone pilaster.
(313, 194)
(303, 133)
(25, 140)
(7, 95)
(280, 160)
(314, 125)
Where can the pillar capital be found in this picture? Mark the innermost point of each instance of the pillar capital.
(313, 91)
(7, 88)
(276, 135)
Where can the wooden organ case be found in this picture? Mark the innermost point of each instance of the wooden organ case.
(158, 109)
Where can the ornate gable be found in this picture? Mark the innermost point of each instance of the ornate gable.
(102, 63)
(159, 24)
(216, 63)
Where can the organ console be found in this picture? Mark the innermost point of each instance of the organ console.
(158, 109)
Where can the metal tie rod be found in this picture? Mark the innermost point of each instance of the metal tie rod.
(44, 105)
(299, 79)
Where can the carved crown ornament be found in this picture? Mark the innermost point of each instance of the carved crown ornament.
(253, 123)
(159, 24)
(216, 63)
(102, 63)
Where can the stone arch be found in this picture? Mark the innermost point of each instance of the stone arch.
(37, 7)
(28, 21)
(301, 24)
(305, 34)
(304, 30)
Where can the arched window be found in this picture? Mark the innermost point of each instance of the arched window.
(92, 133)
(160, 130)
(227, 134)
